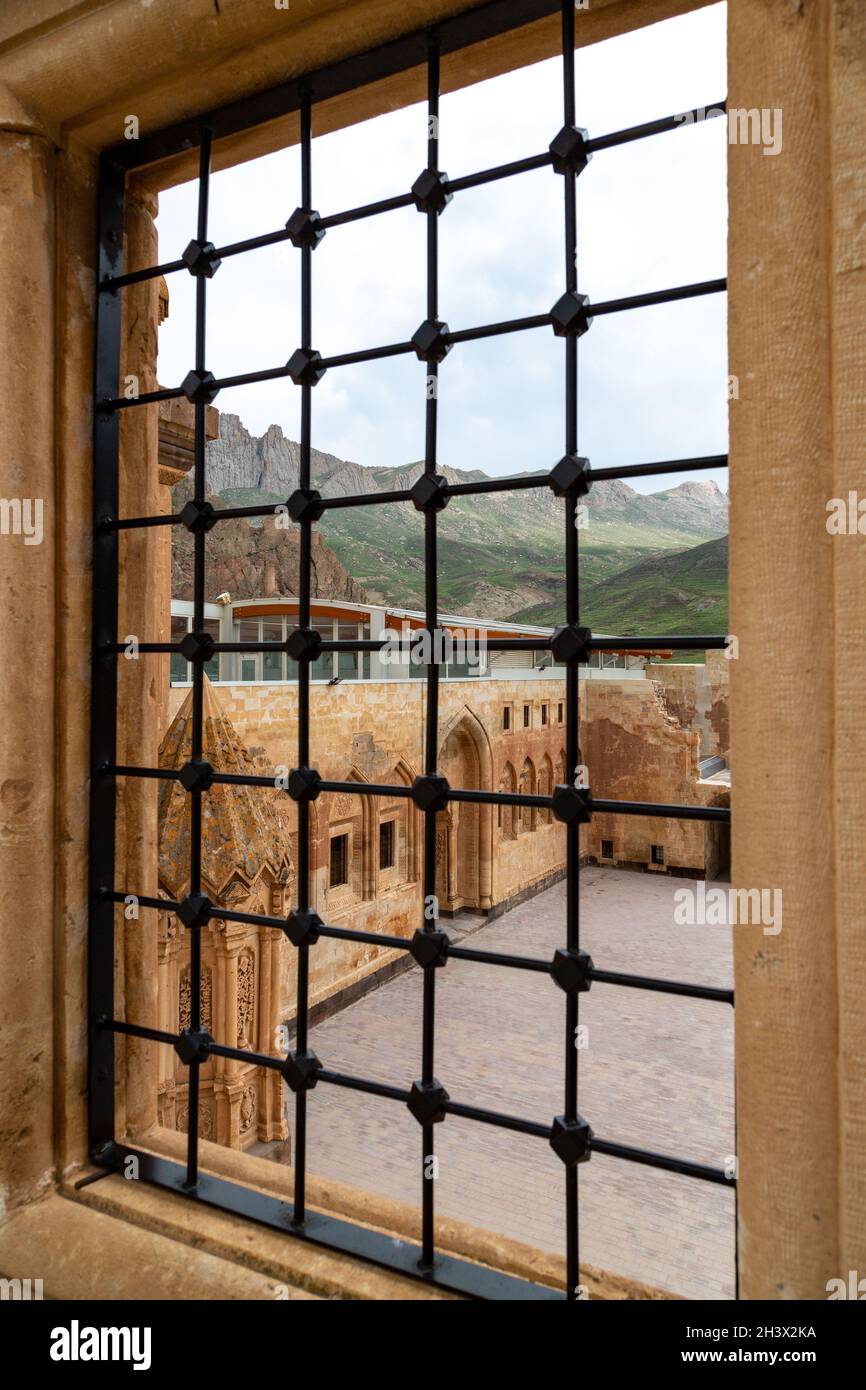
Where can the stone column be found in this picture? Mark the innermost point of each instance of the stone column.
(28, 768)
(797, 275)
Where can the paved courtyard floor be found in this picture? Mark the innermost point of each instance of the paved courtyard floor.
(657, 1072)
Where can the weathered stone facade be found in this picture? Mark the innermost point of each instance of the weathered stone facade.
(487, 857)
(245, 867)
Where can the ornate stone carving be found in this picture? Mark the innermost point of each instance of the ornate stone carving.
(246, 998)
(248, 1108)
(344, 806)
(184, 1010)
(205, 1119)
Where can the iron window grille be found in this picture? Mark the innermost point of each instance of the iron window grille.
(571, 970)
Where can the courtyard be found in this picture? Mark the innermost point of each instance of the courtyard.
(656, 1070)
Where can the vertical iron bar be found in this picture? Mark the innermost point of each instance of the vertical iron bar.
(197, 732)
(304, 587)
(431, 605)
(103, 715)
(572, 601)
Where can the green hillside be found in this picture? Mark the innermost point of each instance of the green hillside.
(501, 555)
(685, 592)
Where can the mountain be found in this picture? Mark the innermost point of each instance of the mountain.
(252, 559)
(500, 554)
(684, 592)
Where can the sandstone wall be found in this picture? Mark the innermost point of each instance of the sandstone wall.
(373, 731)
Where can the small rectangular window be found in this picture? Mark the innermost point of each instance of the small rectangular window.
(607, 849)
(506, 718)
(544, 713)
(527, 716)
(657, 854)
(559, 713)
(339, 860)
(386, 845)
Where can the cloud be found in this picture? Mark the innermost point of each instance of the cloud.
(650, 215)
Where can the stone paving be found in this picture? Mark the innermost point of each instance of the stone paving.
(657, 1072)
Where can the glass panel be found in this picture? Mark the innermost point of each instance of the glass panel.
(323, 668)
(347, 662)
(179, 665)
(212, 667)
(248, 631)
(272, 662)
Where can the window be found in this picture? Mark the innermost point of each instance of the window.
(339, 861)
(657, 854)
(347, 662)
(181, 670)
(386, 845)
(506, 718)
(559, 709)
(607, 849)
(273, 663)
(569, 318)
(545, 712)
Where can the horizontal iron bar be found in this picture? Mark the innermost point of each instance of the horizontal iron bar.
(632, 1154)
(501, 171)
(667, 1162)
(618, 977)
(340, 219)
(496, 330)
(376, 354)
(143, 900)
(135, 277)
(638, 644)
(664, 812)
(463, 335)
(514, 483)
(648, 470)
(332, 1233)
(458, 185)
(540, 967)
(645, 301)
(467, 953)
(682, 119)
(365, 1087)
(366, 499)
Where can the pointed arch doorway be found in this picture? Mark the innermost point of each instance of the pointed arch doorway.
(464, 831)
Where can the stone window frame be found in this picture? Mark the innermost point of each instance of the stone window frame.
(782, 444)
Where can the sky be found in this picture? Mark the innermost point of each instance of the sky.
(651, 215)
